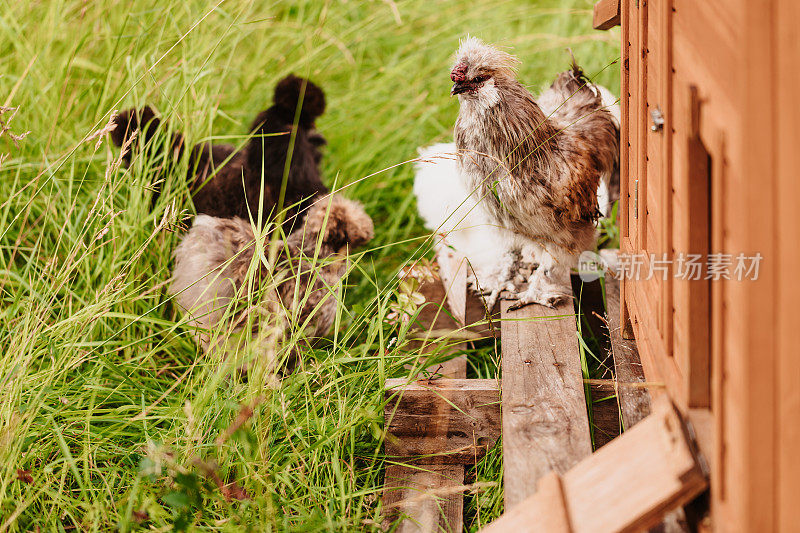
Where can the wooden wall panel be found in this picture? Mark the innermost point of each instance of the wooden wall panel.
(732, 94)
(747, 389)
(788, 219)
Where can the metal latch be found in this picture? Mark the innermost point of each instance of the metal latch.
(658, 120)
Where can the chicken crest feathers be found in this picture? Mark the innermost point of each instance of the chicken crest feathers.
(478, 55)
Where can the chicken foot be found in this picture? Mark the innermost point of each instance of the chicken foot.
(548, 285)
(500, 279)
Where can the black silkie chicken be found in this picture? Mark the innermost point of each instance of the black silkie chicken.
(535, 165)
(226, 183)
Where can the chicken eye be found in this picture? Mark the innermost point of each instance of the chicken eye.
(480, 79)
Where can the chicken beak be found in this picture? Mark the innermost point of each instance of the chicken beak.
(458, 88)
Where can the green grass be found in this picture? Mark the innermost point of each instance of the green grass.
(107, 409)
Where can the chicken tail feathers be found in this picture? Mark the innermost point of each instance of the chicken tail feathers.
(574, 81)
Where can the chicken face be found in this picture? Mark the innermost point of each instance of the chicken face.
(477, 70)
(462, 84)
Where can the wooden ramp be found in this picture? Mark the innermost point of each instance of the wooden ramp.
(627, 485)
(545, 424)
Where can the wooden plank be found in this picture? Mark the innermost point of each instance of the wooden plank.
(634, 401)
(453, 271)
(549, 506)
(626, 486)
(436, 319)
(590, 304)
(745, 358)
(606, 14)
(429, 497)
(545, 424)
(605, 413)
(424, 498)
(787, 460)
(445, 420)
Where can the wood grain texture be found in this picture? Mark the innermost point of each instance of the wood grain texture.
(626, 486)
(545, 424)
(429, 497)
(446, 420)
(787, 461)
(606, 14)
(453, 271)
(606, 424)
(546, 512)
(634, 402)
(424, 498)
(436, 320)
(590, 304)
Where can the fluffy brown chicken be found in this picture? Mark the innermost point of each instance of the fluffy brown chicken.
(220, 271)
(535, 166)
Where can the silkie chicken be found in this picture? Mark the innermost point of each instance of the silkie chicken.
(218, 266)
(535, 167)
(228, 183)
(461, 221)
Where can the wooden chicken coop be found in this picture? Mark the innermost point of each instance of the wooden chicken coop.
(702, 322)
(710, 170)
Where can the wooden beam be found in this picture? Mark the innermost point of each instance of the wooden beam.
(453, 271)
(445, 420)
(606, 14)
(429, 497)
(627, 485)
(606, 423)
(424, 498)
(634, 401)
(605, 413)
(545, 424)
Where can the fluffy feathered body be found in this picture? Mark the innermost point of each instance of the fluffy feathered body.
(460, 219)
(216, 267)
(228, 183)
(536, 174)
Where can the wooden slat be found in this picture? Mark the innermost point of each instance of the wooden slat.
(438, 315)
(634, 402)
(787, 460)
(606, 14)
(453, 271)
(590, 303)
(426, 498)
(549, 506)
(429, 497)
(626, 486)
(455, 420)
(605, 414)
(545, 425)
